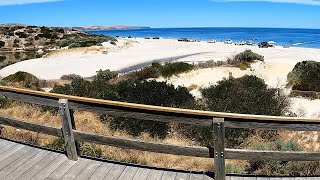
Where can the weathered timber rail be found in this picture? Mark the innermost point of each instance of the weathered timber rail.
(217, 120)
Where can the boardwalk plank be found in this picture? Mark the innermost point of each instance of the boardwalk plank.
(128, 173)
(51, 167)
(258, 178)
(3, 143)
(237, 178)
(102, 171)
(61, 170)
(38, 166)
(115, 172)
(89, 170)
(142, 174)
(10, 151)
(8, 146)
(155, 175)
(169, 175)
(196, 176)
(27, 165)
(18, 162)
(8, 160)
(255, 178)
(76, 169)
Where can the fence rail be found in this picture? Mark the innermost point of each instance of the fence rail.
(218, 121)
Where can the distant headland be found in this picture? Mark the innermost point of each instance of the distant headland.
(101, 28)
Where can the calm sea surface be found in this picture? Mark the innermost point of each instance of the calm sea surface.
(294, 37)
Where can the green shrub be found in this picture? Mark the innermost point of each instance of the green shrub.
(245, 57)
(23, 79)
(305, 76)
(145, 73)
(246, 95)
(105, 75)
(156, 70)
(170, 69)
(152, 93)
(70, 77)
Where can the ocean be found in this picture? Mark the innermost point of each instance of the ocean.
(282, 36)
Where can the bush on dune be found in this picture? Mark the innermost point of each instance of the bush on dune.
(156, 70)
(170, 69)
(305, 76)
(23, 79)
(246, 95)
(151, 93)
(245, 57)
(144, 92)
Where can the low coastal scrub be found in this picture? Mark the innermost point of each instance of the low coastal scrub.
(305, 76)
(22, 79)
(244, 59)
(85, 40)
(144, 92)
(156, 70)
(246, 95)
(210, 64)
(70, 77)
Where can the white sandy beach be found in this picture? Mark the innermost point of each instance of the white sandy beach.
(279, 62)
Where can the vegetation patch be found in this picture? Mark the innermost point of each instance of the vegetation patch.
(305, 76)
(244, 58)
(156, 70)
(23, 79)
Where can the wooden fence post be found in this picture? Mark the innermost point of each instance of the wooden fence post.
(67, 126)
(219, 157)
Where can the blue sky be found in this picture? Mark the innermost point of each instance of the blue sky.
(164, 13)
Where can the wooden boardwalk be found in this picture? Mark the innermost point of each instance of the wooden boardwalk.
(19, 161)
(22, 162)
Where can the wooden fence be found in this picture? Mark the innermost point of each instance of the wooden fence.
(218, 121)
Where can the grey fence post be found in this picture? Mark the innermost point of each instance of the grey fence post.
(219, 155)
(67, 126)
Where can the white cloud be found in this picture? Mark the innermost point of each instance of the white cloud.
(306, 2)
(19, 2)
